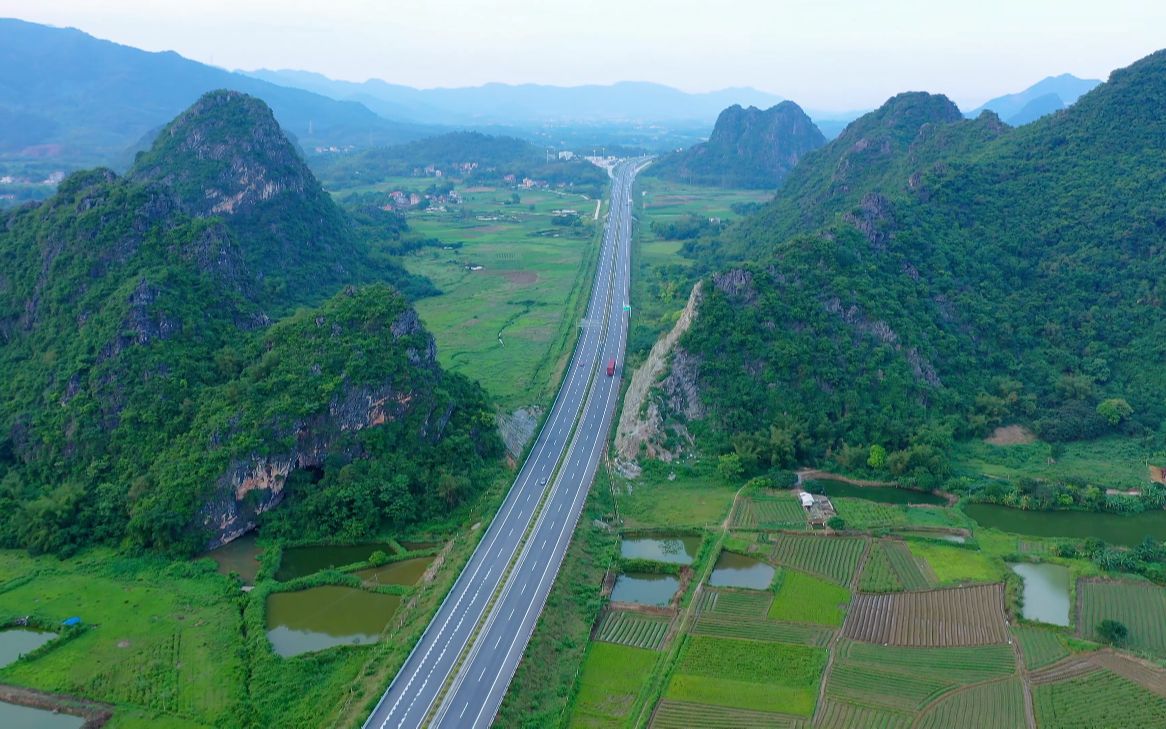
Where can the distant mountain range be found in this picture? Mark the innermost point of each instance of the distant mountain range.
(497, 103)
(68, 96)
(751, 148)
(1044, 97)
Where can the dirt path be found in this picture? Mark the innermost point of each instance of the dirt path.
(1025, 683)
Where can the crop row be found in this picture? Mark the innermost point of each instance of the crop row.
(999, 705)
(871, 686)
(1099, 699)
(760, 629)
(835, 558)
(1141, 607)
(1039, 647)
(727, 603)
(781, 511)
(837, 714)
(671, 714)
(632, 629)
(906, 566)
(957, 616)
(963, 664)
(877, 573)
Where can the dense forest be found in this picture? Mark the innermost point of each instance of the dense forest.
(473, 156)
(748, 148)
(167, 335)
(925, 277)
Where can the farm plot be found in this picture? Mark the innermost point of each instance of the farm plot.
(802, 598)
(863, 514)
(841, 715)
(1099, 699)
(890, 568)
(748, 674)
(1141, 606)
(733, 604)
(951, 617)
(683, 715)
(835, 558)
(908, 679)
(633, 629)
(1039, 647)
(612, 676)
(999, 705)
(711, 624)
(769, 511)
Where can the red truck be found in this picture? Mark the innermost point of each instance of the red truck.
(611, 368)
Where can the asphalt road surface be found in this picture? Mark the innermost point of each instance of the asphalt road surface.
(493, 635)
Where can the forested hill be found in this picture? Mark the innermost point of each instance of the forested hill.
(147, 392)
(749, 148)
(925, 276)
(471, 155)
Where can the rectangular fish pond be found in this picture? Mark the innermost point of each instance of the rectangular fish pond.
(15, 716)
(737, 570)
(645, 589)
(322, 617)
(672, 549)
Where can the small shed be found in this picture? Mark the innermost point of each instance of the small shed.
(807, 499)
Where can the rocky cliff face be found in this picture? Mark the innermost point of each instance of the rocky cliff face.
(748, 148)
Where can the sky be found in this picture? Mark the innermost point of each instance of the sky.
(823, 54)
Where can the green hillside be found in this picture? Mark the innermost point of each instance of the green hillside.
(146, 384)
(924, 277)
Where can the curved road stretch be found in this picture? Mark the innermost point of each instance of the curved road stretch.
(587, 398)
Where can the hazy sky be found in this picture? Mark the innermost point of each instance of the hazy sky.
(824, 54)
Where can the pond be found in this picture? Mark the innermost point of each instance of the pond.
(1046, 592)
(406, 572)
(240, 556)
(15, 642)
(737, 570)
(645, 589)
(14, 716)
(945, 536)
(881, 494)
(301, 561)
(1126, 530)
(677, 550)
(322, 617)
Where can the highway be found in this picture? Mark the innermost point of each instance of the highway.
(491, 611)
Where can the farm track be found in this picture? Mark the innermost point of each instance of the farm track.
(832, 646)
(959, 616)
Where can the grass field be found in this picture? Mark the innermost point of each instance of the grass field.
(1098, 699)
(1039, 647)
(1112, 461)
(611, 677)
(507, 325)
(835, 558)
(1141, 606)
(958, 565)
(748, 674)
(802, 598)
(633, 629)
(694, 497)
(163, 638)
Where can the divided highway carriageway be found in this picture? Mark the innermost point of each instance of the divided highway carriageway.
(459, 671)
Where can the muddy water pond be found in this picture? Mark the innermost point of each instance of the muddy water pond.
(14, 716)
(677, 550)
(406, 572)
(737, 570)
(240, 556)
(1127, 530)
(322, 617)
(1046, 592)
(644, 589)
(15, 642)
(301, 561)
(881, 494)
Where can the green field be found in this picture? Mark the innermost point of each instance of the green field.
(864, 514)
(1112, 461)
(1141, 606)
(163, 637)
(837, 714)
(1098, 699)
(510, 324)
(684, 715)
(956, 565)
(891, 567)
(778, 510)
(748, 674)
(611, 677)
(694, 497)
(833, 557)
(1039, 647)
(999, 705)
(802, 598)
